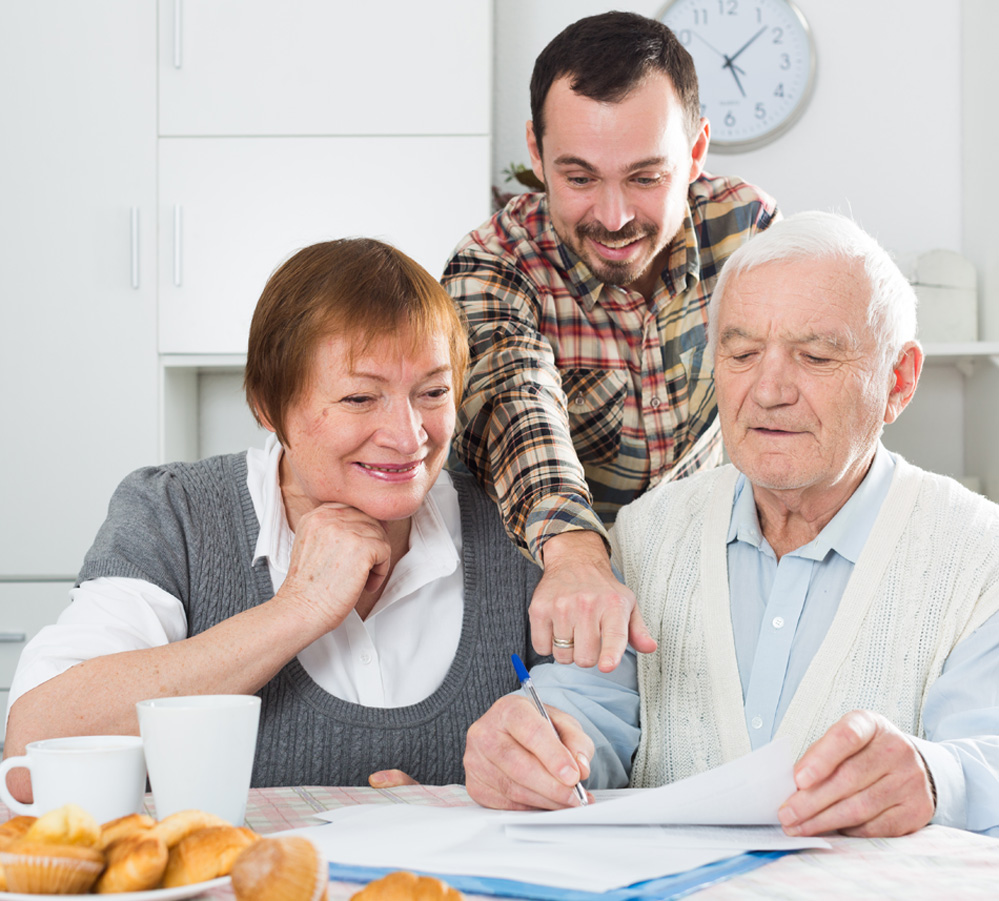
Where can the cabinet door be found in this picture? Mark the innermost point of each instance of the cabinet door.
(312, 67)
(232, 209)
(78, 343)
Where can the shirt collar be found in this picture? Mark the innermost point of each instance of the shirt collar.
(846, 533)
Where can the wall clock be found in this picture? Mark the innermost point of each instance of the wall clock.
(755, 63)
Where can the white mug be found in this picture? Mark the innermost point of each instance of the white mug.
(199, 751)
(103, 774)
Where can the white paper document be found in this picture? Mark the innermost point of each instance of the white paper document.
(635, 838)
(744, 792)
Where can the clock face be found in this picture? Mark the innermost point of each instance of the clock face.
(755, 63)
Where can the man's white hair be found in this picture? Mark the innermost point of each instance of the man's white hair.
(891, 312)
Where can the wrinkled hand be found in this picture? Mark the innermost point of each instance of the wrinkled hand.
(514, 761)
(338, 554)
(863, 777)
(390, 779)
(579, 598)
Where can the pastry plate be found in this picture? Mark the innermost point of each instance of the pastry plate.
(156, 894)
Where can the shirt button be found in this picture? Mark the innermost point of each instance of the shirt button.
(778, 622)
(757, 722)
(579, 400)
(655, 402)
(365, 658)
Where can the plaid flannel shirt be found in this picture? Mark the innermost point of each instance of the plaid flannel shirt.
(581, 395)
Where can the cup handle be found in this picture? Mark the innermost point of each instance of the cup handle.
(15, 805)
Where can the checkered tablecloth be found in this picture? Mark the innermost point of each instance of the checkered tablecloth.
(934, 863)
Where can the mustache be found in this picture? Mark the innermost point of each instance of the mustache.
(630, 232)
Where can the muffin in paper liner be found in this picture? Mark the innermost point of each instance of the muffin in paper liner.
(42, 869)
(284, 868)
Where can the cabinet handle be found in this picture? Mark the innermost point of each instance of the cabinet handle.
(178, 216)
(178, 17)
(12, 636)
(134, 235)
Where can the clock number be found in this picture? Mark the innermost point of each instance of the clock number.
(684, 36)
(700, 17)
(732, 7)
(785, 61)
(704, 109)
(761, 112)
(759, 15)
(778, 35)
(729, 119)
(779, 90)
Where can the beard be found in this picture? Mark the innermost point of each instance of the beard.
(614, 272)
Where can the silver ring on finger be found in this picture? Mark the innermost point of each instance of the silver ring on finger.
(562, 644)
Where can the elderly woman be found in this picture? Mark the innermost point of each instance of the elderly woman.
(370, 599)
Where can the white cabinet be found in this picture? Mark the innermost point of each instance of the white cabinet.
(158, 161)
(232, 209)
(77, 271)
(314, 67)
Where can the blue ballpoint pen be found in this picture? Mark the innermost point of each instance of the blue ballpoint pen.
(528, 686)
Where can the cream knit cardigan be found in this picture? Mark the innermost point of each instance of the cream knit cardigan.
(927, 578)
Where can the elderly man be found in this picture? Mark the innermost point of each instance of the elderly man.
(587, 311)
(820, 588)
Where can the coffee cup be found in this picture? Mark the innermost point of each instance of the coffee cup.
(103, 774)
(199, 752)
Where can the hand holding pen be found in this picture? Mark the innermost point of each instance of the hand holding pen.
(528, 686)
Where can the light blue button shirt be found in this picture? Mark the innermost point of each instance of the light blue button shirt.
(781, 611)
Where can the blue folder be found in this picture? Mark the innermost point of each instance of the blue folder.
(665, 888)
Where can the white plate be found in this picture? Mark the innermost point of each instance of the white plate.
(156, 894)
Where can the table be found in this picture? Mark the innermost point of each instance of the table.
(934, 863)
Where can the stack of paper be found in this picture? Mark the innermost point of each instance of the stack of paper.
(623, 838)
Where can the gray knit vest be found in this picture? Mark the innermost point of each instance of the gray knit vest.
(190, 528)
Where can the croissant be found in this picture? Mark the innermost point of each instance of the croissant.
(206, 854)
(135, 863)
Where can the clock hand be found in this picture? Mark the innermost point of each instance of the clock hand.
(744, 46)
(710, 46)
(732, 69)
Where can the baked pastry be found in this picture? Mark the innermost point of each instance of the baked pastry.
(118, 828)
(289, 868)
(14, 829)
(66, 825)
(176, 827)
(206, 854)
(404, 886)
(135, 863)
(42, 868)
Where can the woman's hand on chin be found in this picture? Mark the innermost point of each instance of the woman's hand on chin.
(339, 555)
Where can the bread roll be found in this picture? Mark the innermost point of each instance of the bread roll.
(403, 886)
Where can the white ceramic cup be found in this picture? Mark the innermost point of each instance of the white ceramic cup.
(103, 774)
(199, 752)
